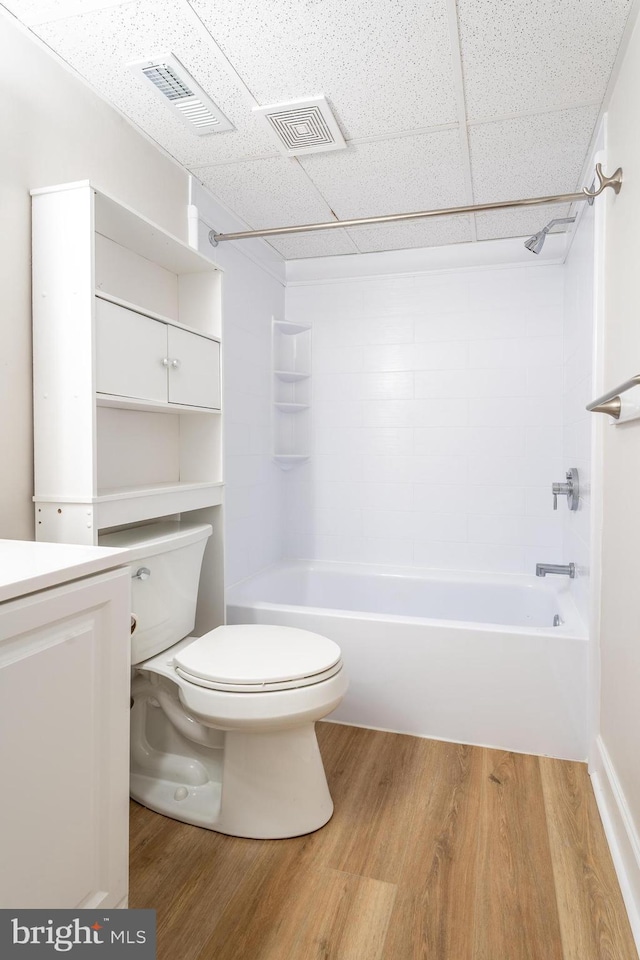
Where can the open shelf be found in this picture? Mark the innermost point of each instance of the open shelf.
(154, 315)
(288, 460)
(291, 376)
(120, 506)
(129, 504)
(289, 329)
(154, 490)
(150, 406)
(286, 407)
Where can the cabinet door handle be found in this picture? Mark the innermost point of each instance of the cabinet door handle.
(175, 364)
(165, 361)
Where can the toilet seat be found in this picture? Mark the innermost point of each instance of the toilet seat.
(257, 658)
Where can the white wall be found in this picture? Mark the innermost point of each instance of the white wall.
(578, 390)
(616, 757)
(55, 130)
(437, 406)
(253, 294)
(253, 491)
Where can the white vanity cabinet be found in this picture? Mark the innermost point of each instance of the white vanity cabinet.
(64, 722)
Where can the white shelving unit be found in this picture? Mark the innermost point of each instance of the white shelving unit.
(291, 354)
(127, 383)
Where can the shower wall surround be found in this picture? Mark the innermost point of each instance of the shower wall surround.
(438, 420)
(578, 390)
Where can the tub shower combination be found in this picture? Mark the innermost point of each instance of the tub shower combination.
(471, 658)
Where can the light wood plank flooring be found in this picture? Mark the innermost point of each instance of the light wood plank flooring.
(436, 851)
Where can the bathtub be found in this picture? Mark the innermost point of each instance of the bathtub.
(472, 658)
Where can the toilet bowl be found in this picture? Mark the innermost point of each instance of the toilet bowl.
(222, 725)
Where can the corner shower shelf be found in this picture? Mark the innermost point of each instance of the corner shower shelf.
(288, 460)
(291, 376)
(291, 407)
(291, 350)
(289, 328)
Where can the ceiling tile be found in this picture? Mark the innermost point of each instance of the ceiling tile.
(399, 175)
(530, 156)
(272, 192)
(528, 57)
(40, 11)
(101, 43)
(384, 66)
(412, 233)
(520, 223)
(324, 243)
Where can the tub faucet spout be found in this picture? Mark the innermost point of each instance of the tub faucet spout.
(565, 570)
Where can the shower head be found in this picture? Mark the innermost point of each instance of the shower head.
(536, 242)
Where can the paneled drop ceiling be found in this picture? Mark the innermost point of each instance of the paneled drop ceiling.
(441, 103)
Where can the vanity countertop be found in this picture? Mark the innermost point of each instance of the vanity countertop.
(27, 566)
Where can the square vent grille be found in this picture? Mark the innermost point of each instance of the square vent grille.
(181, 93)
(303, 126)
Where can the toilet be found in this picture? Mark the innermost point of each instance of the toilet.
(222, 725)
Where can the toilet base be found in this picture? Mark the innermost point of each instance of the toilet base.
(273, 786)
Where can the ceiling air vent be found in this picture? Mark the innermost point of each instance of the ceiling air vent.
(303, 126)
(182, 94)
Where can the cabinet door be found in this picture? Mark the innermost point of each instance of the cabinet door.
(194, 374)
(130, 350)
(64, 751)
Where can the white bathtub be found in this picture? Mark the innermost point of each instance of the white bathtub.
(473, 658)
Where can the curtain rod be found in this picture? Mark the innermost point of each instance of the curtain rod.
(615, 182)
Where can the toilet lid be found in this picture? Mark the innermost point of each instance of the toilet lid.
(258, 657)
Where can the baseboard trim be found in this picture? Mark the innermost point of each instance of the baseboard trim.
(620, 831)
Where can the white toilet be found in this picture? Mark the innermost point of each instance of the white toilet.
(222, 725)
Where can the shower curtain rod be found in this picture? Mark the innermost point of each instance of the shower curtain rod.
(615, 182)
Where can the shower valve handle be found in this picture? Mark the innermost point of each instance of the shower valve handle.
(570, 489)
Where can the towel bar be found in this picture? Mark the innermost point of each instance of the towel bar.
(610, 402)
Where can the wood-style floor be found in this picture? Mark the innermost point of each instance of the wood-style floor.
(435, 851)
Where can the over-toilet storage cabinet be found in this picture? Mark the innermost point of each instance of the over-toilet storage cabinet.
(127, 376)
(64, 704)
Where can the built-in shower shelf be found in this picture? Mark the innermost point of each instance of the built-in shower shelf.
(289, 329)
(291, 376)
(291, 407)
(291, 416)
(288, 460)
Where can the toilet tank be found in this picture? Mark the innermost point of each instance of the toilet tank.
(163, 601)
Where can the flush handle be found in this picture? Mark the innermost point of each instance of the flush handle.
(142, 573)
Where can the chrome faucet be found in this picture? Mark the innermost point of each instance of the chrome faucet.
(570, 489)
(565, 570)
